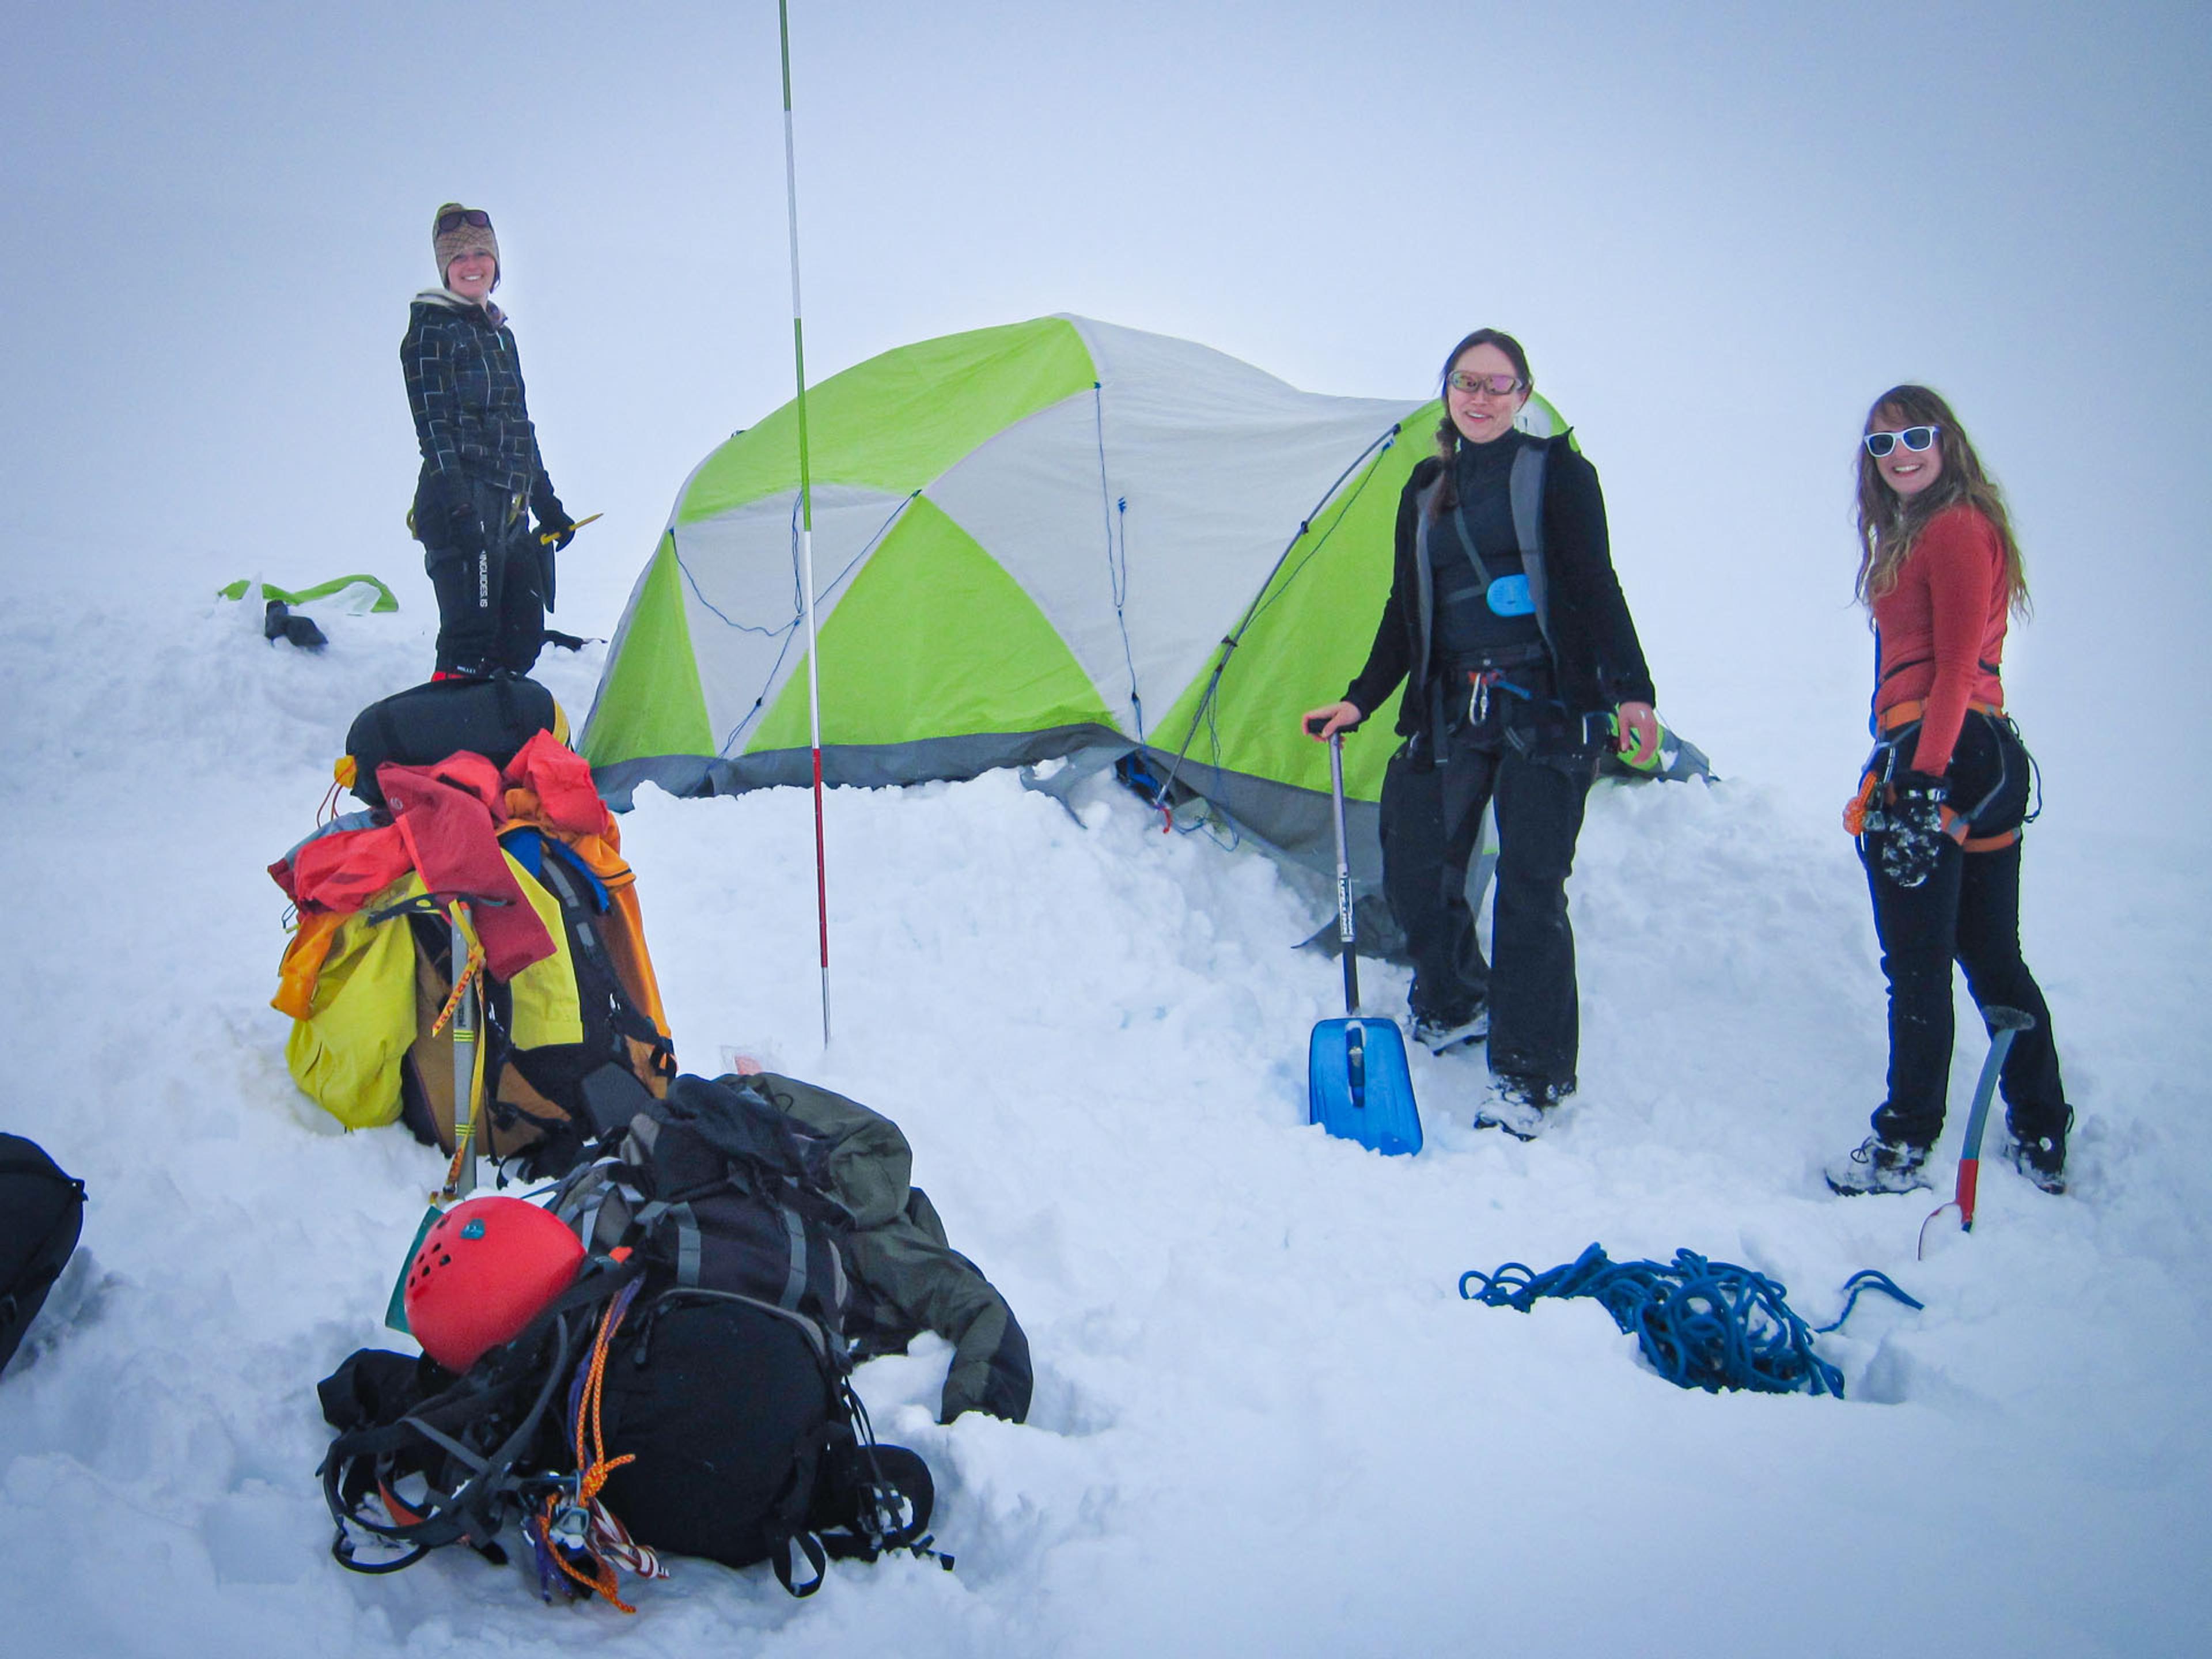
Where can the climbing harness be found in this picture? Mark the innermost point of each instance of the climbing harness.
(1900, 722)
(1701, 1324)
(1492, 675)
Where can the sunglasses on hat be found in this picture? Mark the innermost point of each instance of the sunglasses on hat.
(449, 222)
(1914, 438)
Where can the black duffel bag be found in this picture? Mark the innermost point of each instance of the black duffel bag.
(422, 725)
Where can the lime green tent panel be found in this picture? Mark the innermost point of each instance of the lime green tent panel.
(1310, 633)
(934, 640)
(887, 423)
(1309, 636)
(650, 701)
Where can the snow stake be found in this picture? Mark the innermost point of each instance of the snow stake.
(2005, 1025)
(805, 518)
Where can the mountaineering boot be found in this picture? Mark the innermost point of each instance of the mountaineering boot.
(1875, 1166)
(2042, 1158)
(1518, 1104)
(1439, 1033)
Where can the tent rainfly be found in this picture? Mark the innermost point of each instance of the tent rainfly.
(1057, 538)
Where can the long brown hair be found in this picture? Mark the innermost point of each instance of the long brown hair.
(1890, 525)
(1446, 433)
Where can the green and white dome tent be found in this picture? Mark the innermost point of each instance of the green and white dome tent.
(1030, 541)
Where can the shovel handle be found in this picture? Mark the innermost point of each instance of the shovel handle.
(1346, 932)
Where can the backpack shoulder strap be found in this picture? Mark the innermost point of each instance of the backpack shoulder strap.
(1424, 592)
(1525, 489)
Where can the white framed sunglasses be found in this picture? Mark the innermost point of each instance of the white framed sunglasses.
(1914, 438)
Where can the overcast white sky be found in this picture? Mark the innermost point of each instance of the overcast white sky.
(1719, 230)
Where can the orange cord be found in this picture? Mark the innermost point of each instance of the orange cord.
(471, 969)
(1855, 808)
(592, 1456)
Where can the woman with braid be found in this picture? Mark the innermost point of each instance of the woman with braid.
(1506, 625)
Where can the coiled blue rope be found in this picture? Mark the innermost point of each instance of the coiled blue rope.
(1701, 1324)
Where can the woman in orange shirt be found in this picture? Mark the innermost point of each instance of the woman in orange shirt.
(1949, 789)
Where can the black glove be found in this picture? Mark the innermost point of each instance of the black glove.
(559, 527)
(1912, 834)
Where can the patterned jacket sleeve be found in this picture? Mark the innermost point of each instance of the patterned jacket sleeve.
(545, 506)
(426, 358)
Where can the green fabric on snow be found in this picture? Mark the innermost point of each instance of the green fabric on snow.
(319, 591)
(897, 1250)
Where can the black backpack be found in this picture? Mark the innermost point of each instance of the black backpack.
(690, 1393)
(41, 1212)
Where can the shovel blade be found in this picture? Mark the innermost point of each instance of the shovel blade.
(1358, 1087)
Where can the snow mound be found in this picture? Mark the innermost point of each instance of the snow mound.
(1265, 1421)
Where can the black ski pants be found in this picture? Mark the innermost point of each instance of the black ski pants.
(1431, 815)
(491, 605)
(1967, 911)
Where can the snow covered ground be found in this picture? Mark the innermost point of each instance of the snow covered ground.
(1265, 1421)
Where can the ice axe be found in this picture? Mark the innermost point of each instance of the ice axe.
(465, 1009)
(551, 537)
(2005, 1025)
(546, 540)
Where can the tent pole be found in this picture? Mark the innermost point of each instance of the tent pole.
(805, 519)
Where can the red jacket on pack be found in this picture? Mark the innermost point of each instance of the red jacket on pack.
(1941, 630)
(444, 826)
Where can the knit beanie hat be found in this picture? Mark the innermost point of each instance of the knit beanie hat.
(465, 237)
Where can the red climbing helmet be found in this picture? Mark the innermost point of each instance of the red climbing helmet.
(484, 1270)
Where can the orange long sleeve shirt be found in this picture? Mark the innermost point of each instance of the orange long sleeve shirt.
(1941, 630)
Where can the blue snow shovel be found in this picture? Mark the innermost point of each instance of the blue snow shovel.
(1357, 1081)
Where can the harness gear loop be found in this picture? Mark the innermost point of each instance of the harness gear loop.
(1488, 673)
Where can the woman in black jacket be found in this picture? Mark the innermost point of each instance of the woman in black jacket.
(482, 476)
(1520, 660)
